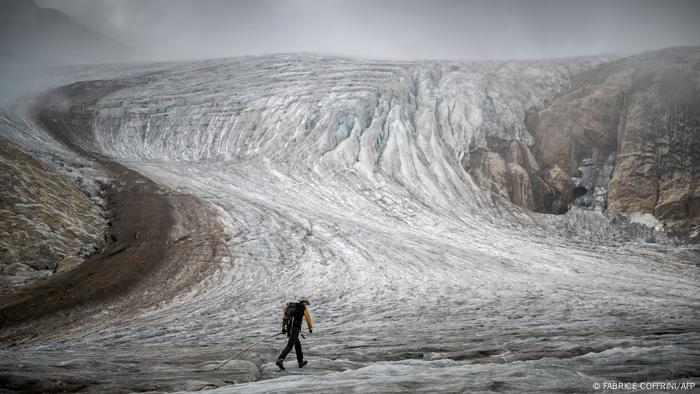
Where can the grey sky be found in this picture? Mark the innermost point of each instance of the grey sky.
(404, 29)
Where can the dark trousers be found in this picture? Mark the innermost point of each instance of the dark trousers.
(295, 343)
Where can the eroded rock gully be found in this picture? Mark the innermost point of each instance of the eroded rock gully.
(626, 138)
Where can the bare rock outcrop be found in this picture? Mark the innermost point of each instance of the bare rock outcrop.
(46, 222)
(625, 139)
(644, 111)
(505, 169)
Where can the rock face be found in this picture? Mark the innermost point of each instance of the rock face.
(47, 224)
(506, 172)
(643, 114)
(417, 122)
(626, 139)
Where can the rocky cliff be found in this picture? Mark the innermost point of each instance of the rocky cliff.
(625, 139)
(47, 223)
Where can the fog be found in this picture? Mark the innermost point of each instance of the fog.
(398, 29)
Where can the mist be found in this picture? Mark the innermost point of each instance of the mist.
(389, 29)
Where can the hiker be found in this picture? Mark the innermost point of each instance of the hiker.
(291, 325)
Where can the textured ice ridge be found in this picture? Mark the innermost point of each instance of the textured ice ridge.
(406, 118)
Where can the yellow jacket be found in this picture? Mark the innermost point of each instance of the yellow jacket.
(307, 317)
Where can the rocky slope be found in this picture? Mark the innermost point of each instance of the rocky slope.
(47, 223)
(626, 139)
(643, 115)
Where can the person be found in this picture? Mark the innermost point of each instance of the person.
(291, 325)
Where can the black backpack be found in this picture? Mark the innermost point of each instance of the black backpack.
(293, 313)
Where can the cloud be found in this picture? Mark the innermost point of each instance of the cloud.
(404, 29)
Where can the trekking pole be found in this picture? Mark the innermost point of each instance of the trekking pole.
(234, 356)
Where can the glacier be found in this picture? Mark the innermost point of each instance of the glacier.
(343, 180)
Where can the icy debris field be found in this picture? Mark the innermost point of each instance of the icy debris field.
(341, 179)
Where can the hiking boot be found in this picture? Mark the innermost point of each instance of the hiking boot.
(279, 363)
(301, 364)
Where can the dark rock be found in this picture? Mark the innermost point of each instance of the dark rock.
(625, 139)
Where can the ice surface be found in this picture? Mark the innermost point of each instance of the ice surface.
(341, 179)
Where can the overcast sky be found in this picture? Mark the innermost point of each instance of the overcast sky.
(399, 29)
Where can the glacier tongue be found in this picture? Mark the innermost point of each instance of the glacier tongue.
(414, 121)
(342, 179)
